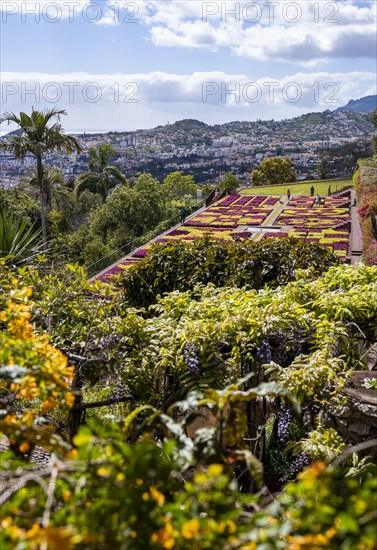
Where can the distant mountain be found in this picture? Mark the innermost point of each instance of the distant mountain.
(365, 104)
(13, 133)
(187, 124)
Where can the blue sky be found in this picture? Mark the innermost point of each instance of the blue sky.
(123, 65)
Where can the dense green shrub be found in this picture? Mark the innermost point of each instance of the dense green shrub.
(19, 203)
(181, 266)
(307, 332)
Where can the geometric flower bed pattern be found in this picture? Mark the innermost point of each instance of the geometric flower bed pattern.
(328, 225)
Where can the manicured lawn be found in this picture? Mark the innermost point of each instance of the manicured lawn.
(302, 188)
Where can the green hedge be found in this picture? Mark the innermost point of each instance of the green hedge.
(181, 266)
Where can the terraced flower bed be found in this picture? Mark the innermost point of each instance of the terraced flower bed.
(328, 224)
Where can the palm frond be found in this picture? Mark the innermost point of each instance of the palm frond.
(19, 242)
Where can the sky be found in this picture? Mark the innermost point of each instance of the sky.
(125, 65)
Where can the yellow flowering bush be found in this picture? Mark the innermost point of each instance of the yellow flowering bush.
(34, 376)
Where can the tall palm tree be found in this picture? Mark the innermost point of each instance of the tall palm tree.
(59, 193)
(101, 176)
(38, 138)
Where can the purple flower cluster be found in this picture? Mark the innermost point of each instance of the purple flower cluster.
(299, 462)
(263, 352)
(284, 419)
(190, 353)
(118, 393)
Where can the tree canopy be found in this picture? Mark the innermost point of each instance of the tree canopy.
(101, 176)
(273, 171)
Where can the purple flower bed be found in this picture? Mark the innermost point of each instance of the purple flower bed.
(243, 200)
(259, 211)
(195, 223)
(113, 271)
(340, 246)
(140, 253)
(336, 235)
(271, 201)
(177, 232)
(228, 200)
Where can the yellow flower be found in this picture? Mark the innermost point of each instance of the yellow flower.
(33, 532)
(190, 529)
(103, 471)
(215, 470)
(157, 496)
(70, 399)
(165, 536)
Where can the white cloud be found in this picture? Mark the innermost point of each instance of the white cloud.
(299, 31)
(129, 101)
(303, 32)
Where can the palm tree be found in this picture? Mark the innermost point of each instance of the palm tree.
(59, 193)
(19, 241)
(38, 138)
(102, 176)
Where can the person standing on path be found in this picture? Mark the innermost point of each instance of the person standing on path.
(312, 191)
(288, 194)
(329, 191)
(183, 214)
(317, 201)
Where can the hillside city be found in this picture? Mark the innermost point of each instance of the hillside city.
(208, 152)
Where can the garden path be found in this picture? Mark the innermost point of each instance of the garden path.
(355, 236)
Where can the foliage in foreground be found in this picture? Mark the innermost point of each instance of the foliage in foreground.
(128, 484)
(181, 266)
(114, 495)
